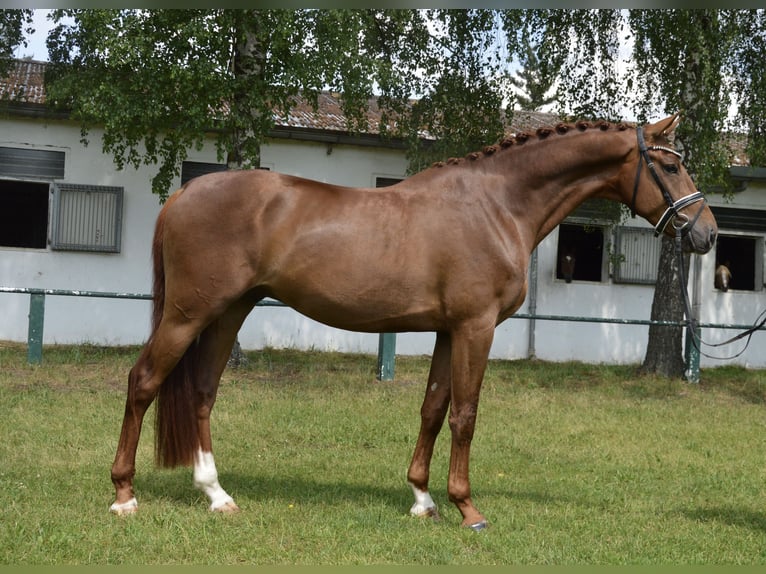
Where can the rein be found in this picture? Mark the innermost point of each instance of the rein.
(682, 225)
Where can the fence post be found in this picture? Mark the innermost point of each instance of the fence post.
(35, 332)
(386, 356)
(692, 354)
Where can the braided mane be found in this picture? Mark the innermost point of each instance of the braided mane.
(540, 134)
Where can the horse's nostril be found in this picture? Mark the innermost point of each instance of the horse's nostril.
(713, 235)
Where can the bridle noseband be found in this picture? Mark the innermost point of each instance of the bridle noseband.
(681, 221)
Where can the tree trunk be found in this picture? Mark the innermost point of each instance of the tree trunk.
(248, 60)
(237, 358)
(664, 349)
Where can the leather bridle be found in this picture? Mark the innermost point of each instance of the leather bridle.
(681, 221)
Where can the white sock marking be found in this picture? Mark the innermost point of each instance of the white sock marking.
(124, 507)
(424, 504)
(206, 479)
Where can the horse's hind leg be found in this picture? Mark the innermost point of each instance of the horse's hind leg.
(215, 344)
(432, 415)
(157, 360)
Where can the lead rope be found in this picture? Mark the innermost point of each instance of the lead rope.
(691, 322)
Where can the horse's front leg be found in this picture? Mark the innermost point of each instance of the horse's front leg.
(432, 415)
(470, 350)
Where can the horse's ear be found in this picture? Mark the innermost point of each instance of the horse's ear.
(663, 128)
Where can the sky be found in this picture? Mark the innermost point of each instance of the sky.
(36, 48)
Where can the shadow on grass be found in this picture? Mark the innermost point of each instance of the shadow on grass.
(251, 490)
(177, 485)
(731, 516)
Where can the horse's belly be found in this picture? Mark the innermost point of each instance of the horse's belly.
(365, 310)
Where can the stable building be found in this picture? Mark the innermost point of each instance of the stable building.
(72, 223)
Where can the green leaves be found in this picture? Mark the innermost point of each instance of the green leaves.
(13, 25)
(535, 80)
(687, 60)
(464, 87)
(159, 81)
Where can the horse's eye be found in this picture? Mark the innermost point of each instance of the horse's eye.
(670, 168)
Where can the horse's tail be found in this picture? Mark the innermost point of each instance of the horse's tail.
(176, 438)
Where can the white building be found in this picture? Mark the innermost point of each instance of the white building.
(47, 242)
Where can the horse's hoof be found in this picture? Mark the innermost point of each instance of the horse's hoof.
(432, 513)
(479, 526)
(124, 508)
(435, 516)
(228, 508)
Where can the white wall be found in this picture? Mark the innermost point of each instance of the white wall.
(68, 319)
(734, 307)
(116, 322)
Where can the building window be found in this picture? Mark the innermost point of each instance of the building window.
(386, 181)
(27, 163)
(192, 169)
(580, 252)
(86, 218)
(637, 255)
(743, 255)
(23, 214)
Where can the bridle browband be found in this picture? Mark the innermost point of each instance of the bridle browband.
(673, 213)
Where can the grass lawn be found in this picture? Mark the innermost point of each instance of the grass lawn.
(571, 464)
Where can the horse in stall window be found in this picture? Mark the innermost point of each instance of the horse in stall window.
(567, 261)
(722, 277)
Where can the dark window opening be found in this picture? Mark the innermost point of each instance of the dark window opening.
(192, 169)
(738, 254)
(584, 245)
(386, 181)
(23, 214)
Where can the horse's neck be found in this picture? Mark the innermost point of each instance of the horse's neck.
(550, 178)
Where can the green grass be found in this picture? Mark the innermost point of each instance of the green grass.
(572, 464)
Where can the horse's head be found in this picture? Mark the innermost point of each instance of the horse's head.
(664, 194)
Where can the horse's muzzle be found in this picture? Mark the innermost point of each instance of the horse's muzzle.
(700, 239)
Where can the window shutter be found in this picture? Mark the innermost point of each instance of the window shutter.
(86, 218)
(639, 255)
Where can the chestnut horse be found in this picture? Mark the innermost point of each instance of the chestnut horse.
(445, 250)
